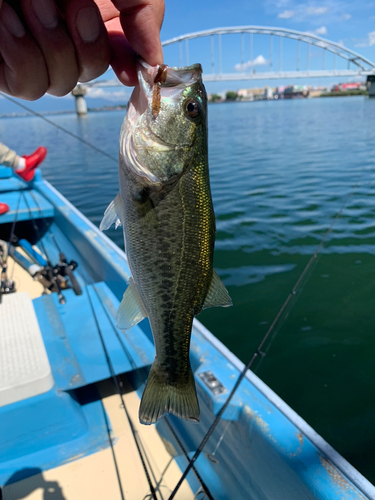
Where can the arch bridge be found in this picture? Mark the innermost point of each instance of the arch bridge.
(354, 63)
(308, 55)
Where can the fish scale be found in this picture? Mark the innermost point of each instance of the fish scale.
(166, 210)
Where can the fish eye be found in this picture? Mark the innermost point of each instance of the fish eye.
(192, 108)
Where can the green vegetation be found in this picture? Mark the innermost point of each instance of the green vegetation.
(231, 96)
(341, 93)
(215, 97)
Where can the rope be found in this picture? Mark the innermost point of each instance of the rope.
(259, 349)
(35, 113)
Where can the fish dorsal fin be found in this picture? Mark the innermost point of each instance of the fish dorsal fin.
(131, 310)
(112, 215)
(217, 294)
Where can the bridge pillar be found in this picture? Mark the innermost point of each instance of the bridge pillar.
(371, 85)
(79, 93)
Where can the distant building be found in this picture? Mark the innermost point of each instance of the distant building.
(246, 94)
(296, 91)
(251, 94)
(343, 87)
(268, 93)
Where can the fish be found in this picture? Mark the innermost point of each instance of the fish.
(165, 208)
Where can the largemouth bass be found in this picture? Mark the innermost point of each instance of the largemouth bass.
(166, 211)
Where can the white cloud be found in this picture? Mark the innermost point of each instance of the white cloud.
(341, 42)
(321, 31)
(313, 11)
(258, 61)
(109, 95)
(371, 38)
(316, 11)
(367, 42)
(287, 14)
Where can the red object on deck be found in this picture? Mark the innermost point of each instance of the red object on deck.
(4, 208)
(32, 162)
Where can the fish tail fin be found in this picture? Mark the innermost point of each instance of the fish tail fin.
(160, 397)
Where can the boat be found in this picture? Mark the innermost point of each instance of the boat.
(70, 385)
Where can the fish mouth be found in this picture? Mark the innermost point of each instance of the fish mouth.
(151, 80)
(167, 76)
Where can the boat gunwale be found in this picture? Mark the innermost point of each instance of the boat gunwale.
(334, 457)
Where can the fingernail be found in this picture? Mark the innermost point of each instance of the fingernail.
(88, 24)
(46, 12)
(11, 21)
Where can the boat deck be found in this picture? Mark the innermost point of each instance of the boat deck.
(114, 473)
(116, 470)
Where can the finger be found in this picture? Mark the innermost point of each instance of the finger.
(141, 21)
(90, 38)
(50, 33)
(123, 60)
(23, 72)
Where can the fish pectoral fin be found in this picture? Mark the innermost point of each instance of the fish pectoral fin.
(131, 310)
(217, 294)
(112, 215)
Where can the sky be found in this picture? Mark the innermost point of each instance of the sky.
(349, 23)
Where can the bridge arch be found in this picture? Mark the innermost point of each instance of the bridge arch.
(363, 66)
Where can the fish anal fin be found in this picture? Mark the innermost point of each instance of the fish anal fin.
(217, 294)
(112, 215)
(160, 398)
(131, 309)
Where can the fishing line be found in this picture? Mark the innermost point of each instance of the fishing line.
(5, 264)
(119, 391)
(35, 226)
(35, 113)
(107, 424)
(135, 367)
(212, 455)
(132, 362)
(258, 351)
(48, 226)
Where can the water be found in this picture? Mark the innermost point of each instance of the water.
(280, 173)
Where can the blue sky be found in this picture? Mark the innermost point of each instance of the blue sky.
(349, 23)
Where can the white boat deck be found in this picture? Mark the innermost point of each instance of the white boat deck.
(115, 473)
(24, 366)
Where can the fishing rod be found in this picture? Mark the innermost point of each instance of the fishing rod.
(50, 271)
(63, 267)
(144, 379)
(118, 385)
(51, 277)
(258, 351)
(7, 285)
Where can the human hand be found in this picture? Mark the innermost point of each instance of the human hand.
(50, 45)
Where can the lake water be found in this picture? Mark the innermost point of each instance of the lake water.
(280, 173)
